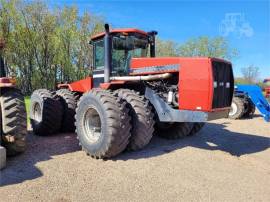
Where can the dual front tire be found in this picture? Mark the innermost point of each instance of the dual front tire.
(102, 124)
(108, 123)
(142, 118)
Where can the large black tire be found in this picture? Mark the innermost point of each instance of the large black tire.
(237, 108)
(69, 102)
(141, 116)
(197, 126)
(46, 112)
(102, 124)
(250, 108)
(174, 130)
(13, 121)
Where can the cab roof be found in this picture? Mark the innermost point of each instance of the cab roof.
(125, 30)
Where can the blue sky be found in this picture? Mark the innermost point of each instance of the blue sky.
(246, 24)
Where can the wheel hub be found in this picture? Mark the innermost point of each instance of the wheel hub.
(233, 109)
(92, 125)
(37, 112)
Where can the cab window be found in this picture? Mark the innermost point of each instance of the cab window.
(99, 54)
(123, 49)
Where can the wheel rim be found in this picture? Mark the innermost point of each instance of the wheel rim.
(92, 125)
(233, 109)
(37, 112)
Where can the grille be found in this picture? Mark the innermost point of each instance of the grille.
(223, 84)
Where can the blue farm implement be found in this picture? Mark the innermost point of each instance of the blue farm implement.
(246, 99)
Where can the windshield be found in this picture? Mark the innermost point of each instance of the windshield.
(123, 49)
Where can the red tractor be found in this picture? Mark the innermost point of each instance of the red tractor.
(267, 88)
(13, 126)
(131, 94)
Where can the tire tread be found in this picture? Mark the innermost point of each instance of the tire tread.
(13, 121)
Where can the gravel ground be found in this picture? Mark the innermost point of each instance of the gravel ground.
(226, 161)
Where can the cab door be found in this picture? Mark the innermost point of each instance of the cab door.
(98, 69)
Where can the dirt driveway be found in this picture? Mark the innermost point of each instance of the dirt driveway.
(227, 161)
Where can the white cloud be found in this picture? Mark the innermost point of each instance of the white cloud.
(235, 23)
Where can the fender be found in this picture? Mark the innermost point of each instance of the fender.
(167, 114)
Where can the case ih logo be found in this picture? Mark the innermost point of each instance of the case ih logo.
(174, 67)
(236, 23)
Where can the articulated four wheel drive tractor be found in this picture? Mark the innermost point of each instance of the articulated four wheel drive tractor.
(132, 94)
(13, 124)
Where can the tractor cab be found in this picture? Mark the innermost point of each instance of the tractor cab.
(267, 88)
(5, 82)
(113, 50)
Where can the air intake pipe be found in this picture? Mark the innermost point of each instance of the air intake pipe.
(107, 54)
(142, 78)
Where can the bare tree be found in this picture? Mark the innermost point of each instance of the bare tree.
(250, 73)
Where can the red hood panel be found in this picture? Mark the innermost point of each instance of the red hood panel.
(195, 78)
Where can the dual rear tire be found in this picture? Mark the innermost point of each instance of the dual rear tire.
(53, 112)
(45, 112)
(68, 100)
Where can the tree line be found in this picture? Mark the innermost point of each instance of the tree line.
(200, 46)
(46, 46)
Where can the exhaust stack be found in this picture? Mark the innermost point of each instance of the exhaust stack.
(107, 52)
